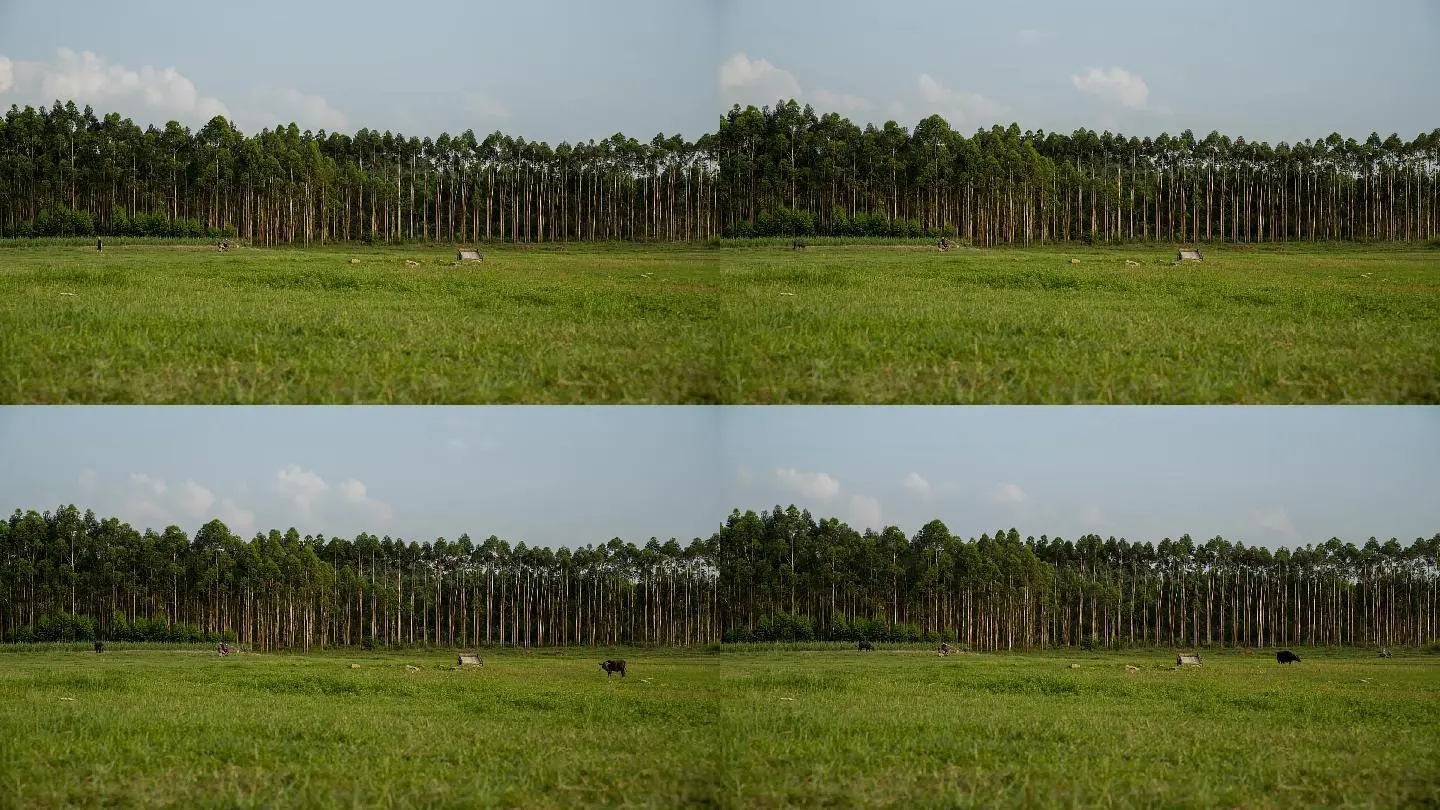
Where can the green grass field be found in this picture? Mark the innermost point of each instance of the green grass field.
(837, 728)
(856, 323)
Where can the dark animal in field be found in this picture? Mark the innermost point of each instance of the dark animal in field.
(1384, 653)
(1286, 657)
(223, 649)
(865, 645)
(613, 666)
(99, 646)
(944, 243)
(98, 244)
(797, 245)
(945, 649)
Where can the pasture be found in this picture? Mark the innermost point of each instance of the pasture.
(761, 728)
(834, 323)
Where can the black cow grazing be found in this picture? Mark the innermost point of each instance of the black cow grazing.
(98, 244)
(99, 646)
(865, 645)
(613, 666)
(1286, 657)
(797, 245)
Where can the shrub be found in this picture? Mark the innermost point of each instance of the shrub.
(840, 630)
(119, 627)
(63, 626)
(779, 627)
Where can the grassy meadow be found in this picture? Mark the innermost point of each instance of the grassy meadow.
(753, 323)
(762, 728)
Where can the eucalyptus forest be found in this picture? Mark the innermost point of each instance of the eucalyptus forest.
(779, 575)
(781, 170)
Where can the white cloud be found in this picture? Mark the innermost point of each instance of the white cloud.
(143, 502)
(237, 520)
(148, 513)
(1115, 85)
(842, 102)
(1276, 520)
(486, 106)
(353, 493)
(146, 482)
(303, 487)
(151, 502)
(283, 106)
(1011, 493)
(87, 479)
(958, 107)
(196, 499)
(819, 486)
(859, 510)
(86, 78)
(864, 512)
(745, 477)
(743, 80)
(159, 93)
(1028, 37)
(917, 482)
(1092, 515)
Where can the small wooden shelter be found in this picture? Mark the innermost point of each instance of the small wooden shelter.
(462, 659)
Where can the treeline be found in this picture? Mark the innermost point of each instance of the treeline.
(770, 171)
(777, 575)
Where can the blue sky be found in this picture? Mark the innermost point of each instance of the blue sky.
(575, 475)
(573, 70)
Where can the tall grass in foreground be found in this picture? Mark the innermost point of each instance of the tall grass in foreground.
(689, 325)
(901, 728)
